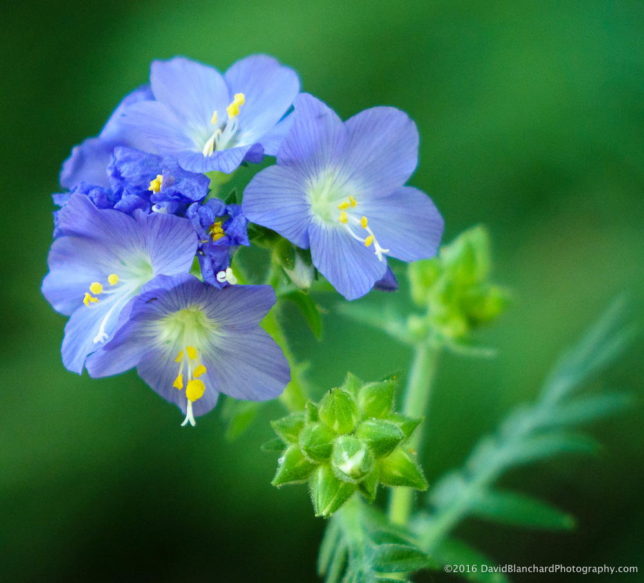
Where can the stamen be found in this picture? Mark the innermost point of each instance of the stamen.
(195, 390)
(96, 288)
(89, 299)
(199, 371)
(192, 352)
(369, 241)
(226, 276)
(364, 222)
(179, 356)
(216, 231)
(352, 202)
(156, 184)
(113, 279)
(214, 118)
(344, 217)
(233, 109)
(178, 382)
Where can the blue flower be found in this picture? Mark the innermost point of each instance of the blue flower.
(141, 181)
(102, 260)
(221, 228)
(338, 189)
(191, 341)
(88, 161)
(209, 121)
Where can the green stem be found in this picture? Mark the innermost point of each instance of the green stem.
(416, 403)
(294, 397)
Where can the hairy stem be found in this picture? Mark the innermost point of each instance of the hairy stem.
(416, 403)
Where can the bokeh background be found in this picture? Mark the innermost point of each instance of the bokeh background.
(531, 117)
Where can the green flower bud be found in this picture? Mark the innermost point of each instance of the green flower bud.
(406, 424)
(401, 469)
(288, 428)
(316, 442)
(352, 384)
(311, 412)
(292, 468)
(351, 459)
(381, 436)
(339, 411)
(369, 484)
(422, 277)
(377, 399)
(328, 493)
(284, 253)
(301, 273)
(489, 305)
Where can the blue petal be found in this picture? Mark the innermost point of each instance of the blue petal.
(83, 327)
(350, 267)
(87, 163)
(158, 129)
(246, 364)
(406, 222)
(383, 149)
(274, 138)
(113, 130)
(276, 198)
(192, 91)
(225, 161)
(317, 139)
(74, 263)
(388, 283)
(269, 88)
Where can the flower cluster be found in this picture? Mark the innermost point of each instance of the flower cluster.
(144, 237)
(350, 441)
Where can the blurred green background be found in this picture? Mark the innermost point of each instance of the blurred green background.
(531, 118)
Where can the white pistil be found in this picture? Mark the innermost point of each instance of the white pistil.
(190, 418)
(367, 241)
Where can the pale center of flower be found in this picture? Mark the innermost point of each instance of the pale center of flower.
(181, 334)
(224, 131)
(331, 205)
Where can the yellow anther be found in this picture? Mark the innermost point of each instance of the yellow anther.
(216, 231)
(233, 109)
(179, 356)
(178, 382)
(156, 184)
(199, 371)
(195, 390)
(352, 202)
(364, 222)
(96, 288)
(369, 240)
(192, 352)
(214, 118)
(113, 279)
(344, 217)
(343, 205)
(89, 299)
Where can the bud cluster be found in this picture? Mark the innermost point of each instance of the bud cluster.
(455, 289)
(351, 441)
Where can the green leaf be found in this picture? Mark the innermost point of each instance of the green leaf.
(289, 427)
(550, 445)
(352, 384)
(520, 510)
(309, 309)
(584, 409)
(398, 558)
(456, 552)
(240, 416)
(293, 468)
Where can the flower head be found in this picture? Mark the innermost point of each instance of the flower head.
(338, 189)
(221, 228)
(104, 258)
(209, 121)
(191, 341)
